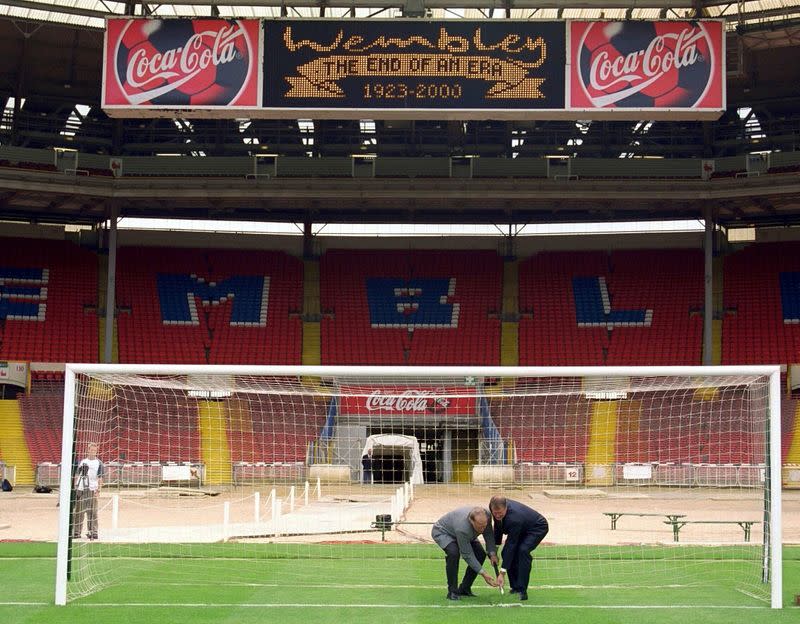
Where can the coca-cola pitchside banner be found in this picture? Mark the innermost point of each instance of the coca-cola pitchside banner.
(646, 65)
(182, 64)
(407, 401)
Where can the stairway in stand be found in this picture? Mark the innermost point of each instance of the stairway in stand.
(13, 447)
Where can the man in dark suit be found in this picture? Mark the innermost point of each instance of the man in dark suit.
(525, 528)
(366, 464)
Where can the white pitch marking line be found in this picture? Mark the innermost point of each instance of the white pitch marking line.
(395, 586)
(305, 605)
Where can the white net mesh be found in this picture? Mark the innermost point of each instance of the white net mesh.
(654, 486)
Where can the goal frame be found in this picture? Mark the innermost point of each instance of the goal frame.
(772, 485)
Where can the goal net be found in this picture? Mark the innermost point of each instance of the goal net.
(661, 486)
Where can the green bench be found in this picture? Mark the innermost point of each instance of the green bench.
(616, 515)
(678, 524)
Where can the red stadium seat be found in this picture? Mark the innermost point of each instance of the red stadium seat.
(69, 331)
(349, 338)
(144, 337)
(753, 327)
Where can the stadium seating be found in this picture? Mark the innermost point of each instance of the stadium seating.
(676, 428)
(669, 282)
(549, 334)
(414, 307)
(544, 428)
(790, 427)
(622, 308)
(175, 306)
(146, 429)
(261, 428)
(761, 299)
(49, 300)
(42, 416)
(273, 428)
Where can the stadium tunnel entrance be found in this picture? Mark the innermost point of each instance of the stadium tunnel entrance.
(431, 450)
(447, 455)
(395, 458)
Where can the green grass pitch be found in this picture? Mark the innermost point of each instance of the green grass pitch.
(360, 584)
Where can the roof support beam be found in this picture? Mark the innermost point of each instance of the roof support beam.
(666, 8)
(60, 8)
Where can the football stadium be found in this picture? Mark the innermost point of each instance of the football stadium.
(399, 311)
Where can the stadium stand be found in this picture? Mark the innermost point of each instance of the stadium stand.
(669, 282)
(549, 334)
(49, 301)
(417, 307)
(544, 429)
(175, 306)
(761, 302)
(42, 415)
(145, 431)
(668, 428)
(622, 308)
(281, 431)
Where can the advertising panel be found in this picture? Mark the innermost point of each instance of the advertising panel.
(178, 64)
(397, 401)
(618, 67)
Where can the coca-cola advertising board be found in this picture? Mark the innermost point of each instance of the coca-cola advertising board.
(397, 401)
(181, 64)
(619, 67)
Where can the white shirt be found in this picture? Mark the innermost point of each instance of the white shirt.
(95, 472)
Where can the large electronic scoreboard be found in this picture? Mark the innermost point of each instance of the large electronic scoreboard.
(406, 65)
(414, 69)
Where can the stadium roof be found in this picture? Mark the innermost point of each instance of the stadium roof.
(759, 15)
(58, 82)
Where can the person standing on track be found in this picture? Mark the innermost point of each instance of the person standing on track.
(88, 481)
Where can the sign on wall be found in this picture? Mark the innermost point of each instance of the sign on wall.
(667, 66)
(382, 401)
(176, 64)
(14, 374)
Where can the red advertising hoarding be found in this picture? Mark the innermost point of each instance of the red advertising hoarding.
(620, 67)
(177, 64)
(397, 401)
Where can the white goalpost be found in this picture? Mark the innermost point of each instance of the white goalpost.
(664, 481)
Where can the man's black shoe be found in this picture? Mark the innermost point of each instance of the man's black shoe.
(514, 591)
(451, 595)
(466, 592)
(523, 595)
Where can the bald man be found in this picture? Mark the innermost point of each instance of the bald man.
(457, 534)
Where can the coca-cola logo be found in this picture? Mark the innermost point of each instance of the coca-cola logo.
(186, 62)
(644, 64)
(407, 401)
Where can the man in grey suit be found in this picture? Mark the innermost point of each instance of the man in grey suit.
(457, 534)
